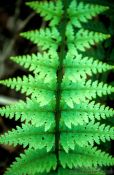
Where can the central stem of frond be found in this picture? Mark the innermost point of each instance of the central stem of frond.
(60, 72)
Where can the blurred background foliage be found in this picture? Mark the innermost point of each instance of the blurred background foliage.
(15, 17)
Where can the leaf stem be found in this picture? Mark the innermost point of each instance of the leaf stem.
(60, 70)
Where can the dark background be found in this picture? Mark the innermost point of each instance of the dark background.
(15, 17)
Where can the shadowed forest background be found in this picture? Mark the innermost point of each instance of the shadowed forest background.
(16, 17)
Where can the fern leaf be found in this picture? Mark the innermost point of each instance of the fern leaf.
(77, 67)
(44, 38)
(49, 10)
(84, 135)
(33, 87)
(82, 12)
(39, 160)
(84, 39)
(30, 111)
(29, 135)
(83, 113)
(38, 62)
(77, 92)
(43, 81)
(85, 157)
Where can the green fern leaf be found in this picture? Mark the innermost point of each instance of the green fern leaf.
(84, 112)
(31, 112)
(38, 62)
(77, 67)
(85, 157)
(44, 38)
(49, 10)
(84, 135)
(81, 13)
(29, 135)
(40, 162)
(81, 91)
(84, 39)
(27, 84)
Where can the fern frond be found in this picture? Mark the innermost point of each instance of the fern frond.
(84, 135)
(30, 111)
(60, 116)
(82, 12)
(38, 62)
(84, 39)
(84, 112)
(44, 38)
(85, 157)
(77, 67)
(49, 10)
(26, 135)
(81, 91)
(31, 162)
(34, 87)
(45, 80)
